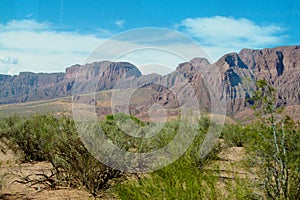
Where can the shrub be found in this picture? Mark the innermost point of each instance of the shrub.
(118, 127)
(186, 178)
(236, 135)
(31, 137)
(75, 165)
(47, 138)
(276, 150)
(176, 181)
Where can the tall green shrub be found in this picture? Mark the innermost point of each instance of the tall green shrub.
(276, 150)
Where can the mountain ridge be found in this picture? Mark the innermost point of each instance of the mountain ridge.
(232, 76)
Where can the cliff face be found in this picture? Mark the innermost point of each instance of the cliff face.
(280, 67)
(29, 86)
(231, 78)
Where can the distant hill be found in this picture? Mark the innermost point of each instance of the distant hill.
(231, 78)
(28, 86)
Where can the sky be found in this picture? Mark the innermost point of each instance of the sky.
(50, 35)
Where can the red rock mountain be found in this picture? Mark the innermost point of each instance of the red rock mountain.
(29, 86)
(231, 79)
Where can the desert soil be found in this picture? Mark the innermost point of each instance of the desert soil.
(229, 166)
(11, 169)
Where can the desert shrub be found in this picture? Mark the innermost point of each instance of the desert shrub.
(176, 181)
(123, 118)
(204, 126)
(276, 161)
(31, 137)
(47, 138)
(242, 188)
(118, 127)
(75, 165)
(186, 178)
(276, 148)
(236, 135)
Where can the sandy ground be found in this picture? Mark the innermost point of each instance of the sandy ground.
(230, 163)
(229, 166)
(11, 189)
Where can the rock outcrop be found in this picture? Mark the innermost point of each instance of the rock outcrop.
(28, 86)
(280, 67)
(230, 79)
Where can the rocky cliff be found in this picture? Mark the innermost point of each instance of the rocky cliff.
(231, 79)
(29, 86)
(279, 66)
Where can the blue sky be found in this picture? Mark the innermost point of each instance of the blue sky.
(47, 36)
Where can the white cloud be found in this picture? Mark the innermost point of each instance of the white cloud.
(30, 15)
(153, 50)
(40, 48)
(28, 45)
(120, 23)
(25, 24)
(218, 34)
(9, 60)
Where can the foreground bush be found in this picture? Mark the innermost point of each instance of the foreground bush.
(276, 149)
(186, 178)
(176, 181)
(235, 135)
(47, 138)
(31, 138)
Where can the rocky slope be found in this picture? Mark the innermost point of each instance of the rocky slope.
(29, 86)
(230, 79)
(279, 66)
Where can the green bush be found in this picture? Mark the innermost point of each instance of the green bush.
(176, 181)
(281, 178)
(31, 137)
(77, 165)
(56, 140)
(47, 138)
(117, 127)
(186, 178)
(236, 135)
(276, 149)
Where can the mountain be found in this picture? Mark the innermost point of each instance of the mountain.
(280, 67)
(28, 86)
(231, 79)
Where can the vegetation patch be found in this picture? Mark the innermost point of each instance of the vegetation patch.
(271, 162)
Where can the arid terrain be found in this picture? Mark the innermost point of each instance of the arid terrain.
(230, 165)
